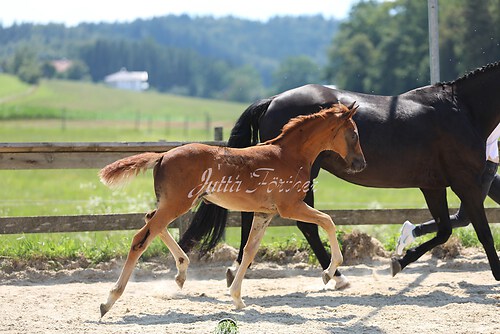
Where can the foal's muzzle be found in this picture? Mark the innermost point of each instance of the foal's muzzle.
(357, 165)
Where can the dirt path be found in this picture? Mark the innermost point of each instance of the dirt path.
(11, 98)
(433, 296)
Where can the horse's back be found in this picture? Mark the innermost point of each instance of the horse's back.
(404, 138)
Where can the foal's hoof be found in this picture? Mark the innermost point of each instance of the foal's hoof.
(239, 304)
(104, 309)
(180, 279)
(229, 276)
(395, 266)
(326, 277)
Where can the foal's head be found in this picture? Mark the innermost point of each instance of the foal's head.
(346, 139)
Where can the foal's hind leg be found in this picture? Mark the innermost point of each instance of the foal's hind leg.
(140, 243)
(181, 259)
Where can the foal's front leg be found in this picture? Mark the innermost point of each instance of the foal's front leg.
(259, 225)
(302, 211)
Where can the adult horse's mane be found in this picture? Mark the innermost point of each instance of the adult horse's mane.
(477, 71)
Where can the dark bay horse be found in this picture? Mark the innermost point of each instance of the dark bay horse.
(430, 138)
(270, 178)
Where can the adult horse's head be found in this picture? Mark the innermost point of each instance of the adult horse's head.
(346, 140)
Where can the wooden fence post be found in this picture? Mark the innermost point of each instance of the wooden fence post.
(138, 120)
(218, 133)
(63, 119)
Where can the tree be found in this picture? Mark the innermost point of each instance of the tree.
(78, 71)
(294, 72)
(353, 55)
(244, 85)
(480, 45)
(403, 52)
(352, 64)
(25, 65)
(48, 70)
(30, 73)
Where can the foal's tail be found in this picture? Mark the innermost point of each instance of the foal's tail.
(124, 170)
(209, 221)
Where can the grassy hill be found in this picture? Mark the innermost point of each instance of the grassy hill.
(10, 87)
(90, 101)
(75, 111)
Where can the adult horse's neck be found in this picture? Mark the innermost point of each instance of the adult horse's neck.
(479, 93)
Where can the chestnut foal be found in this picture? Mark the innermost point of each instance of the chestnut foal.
(270, 178)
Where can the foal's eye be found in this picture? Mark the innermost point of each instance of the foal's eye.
(354, 136)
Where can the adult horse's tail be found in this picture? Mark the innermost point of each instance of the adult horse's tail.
(209, 221)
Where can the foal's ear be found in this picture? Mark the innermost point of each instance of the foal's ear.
(351, 110)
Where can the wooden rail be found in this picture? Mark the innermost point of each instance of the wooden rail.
(77, 155)
(133, 221)
(97, 155)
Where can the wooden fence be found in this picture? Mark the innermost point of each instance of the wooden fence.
(15, 156)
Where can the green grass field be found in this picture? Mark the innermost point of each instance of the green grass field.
(74, 112)
(10, 86)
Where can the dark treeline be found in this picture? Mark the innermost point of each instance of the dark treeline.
(223, 58)
(382, 48)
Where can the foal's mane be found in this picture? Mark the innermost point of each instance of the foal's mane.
(477, 71)
(298, 121)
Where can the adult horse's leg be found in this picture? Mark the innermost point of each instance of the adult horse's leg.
(259, 225)
(438, 206)
(483, 232)
(494, 192)
(475, 209)
(154, 226)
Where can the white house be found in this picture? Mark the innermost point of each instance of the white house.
(123, 79)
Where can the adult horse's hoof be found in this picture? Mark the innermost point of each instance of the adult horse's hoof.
(395, 266)
(229, 276)
(341, 282)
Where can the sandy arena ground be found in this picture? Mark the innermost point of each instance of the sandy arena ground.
(431, 296)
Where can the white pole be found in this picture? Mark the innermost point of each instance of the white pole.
(433, 40)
